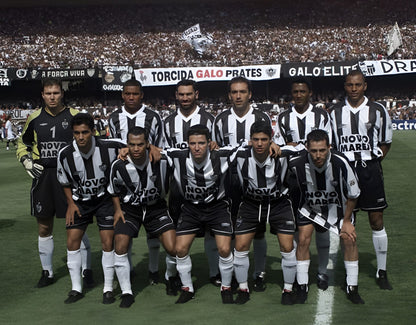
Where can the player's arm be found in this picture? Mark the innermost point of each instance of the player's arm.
(384, 147)
(72, 207)
(213, 145)
(348, 229)
(274, 150)
(118, 213)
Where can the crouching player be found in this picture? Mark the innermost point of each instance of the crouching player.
(264, 200)
(138, 188)
(329, 191)
(83, 170)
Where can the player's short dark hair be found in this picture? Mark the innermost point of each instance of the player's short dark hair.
(261, 126)
(240, 80)
(48, 82)
(83, 118)
(137, 130)
(133, 83)
(187, 82)
(198, 129)
(302, 80)
(317, 135)
(354, 73)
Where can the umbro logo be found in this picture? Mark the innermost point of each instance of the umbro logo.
(43, 124)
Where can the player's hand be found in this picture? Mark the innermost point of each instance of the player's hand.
(348, 231)
(122, 153)
(118, 214)
(275, 150)
(154, 154)
(33, 169)
(70, 213)
(213, 145)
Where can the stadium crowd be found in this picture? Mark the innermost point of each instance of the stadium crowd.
(150, 36)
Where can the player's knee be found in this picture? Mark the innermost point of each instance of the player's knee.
(376, 220)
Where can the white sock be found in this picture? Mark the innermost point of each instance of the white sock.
(211, 252)
(154, 247)
(74, 268)
(85, 252)
(322, 246)
(184, 267)
(225, 265)
(260, 252)
(289, 268)
(107, 261)
(241, 266)
(351, 267)
(122, 267)
(46, 247)
(170, 266)
(380, 242)
(302, 270)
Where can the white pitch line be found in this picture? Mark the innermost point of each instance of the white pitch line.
(326, 298)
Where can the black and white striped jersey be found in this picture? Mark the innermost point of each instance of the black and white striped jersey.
(87, 174)
(325, 190)
(359, 131)
(177, 126)
(201, 183)
(294, 127)
(266, 180)
(121, 121)
(230, 129)
(139, 185)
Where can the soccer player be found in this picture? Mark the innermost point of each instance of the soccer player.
(200, 174)
(292, 127)
(10, 136)
(230, 128)
(134, 113)
(362, 131)
(138, 188)
(83, 170)
(264, 200)
(176, 127)
(45, 133)
(329, 191)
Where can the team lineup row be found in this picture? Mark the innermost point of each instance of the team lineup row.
(291, 179)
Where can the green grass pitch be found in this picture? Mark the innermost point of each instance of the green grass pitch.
(22, 303)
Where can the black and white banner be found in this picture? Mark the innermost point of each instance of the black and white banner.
(387, 67)
(318, 69)
(171, 76)
(115, 76)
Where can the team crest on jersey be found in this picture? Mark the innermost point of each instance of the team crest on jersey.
(153, 178)
(368, 126)
(103, 167)
(38, 207)
(65, 124)
(334, 183)
(60, 171)
(352, 183)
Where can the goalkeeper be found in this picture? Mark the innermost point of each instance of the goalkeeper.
(48, 130)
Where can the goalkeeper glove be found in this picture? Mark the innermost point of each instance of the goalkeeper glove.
(33, 169)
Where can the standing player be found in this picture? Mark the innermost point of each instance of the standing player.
(264, 200)
(139, 188)
(10, 136)
(329, 191)
(83, 171)
(200, 175)
(292, 127)
(45, 133)
(362, 131)
(230, 128)
(134, 113)
(176, 128)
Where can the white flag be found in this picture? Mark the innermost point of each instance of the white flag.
(190, 33)
(394, 39)
(199, 42)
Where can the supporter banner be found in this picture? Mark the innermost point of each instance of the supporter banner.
(6, 77)
(171, 76)
(115, 76)
(403, 124)
(387, 67)
(56, 73)
(317, 69)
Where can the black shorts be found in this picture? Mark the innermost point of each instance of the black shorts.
(47, 197)
(370, 177)
(197, 218)
(277, 213)
(101, 208)
(155, 219)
